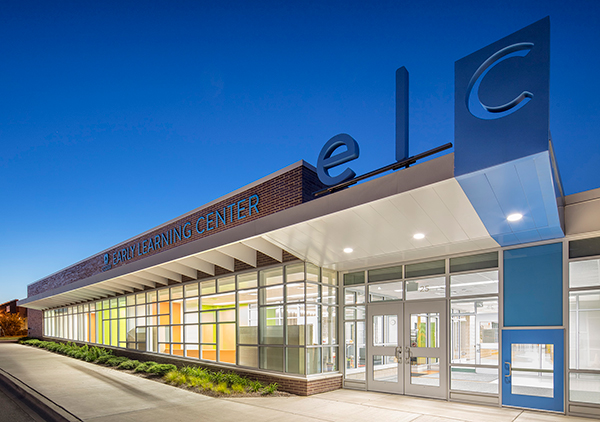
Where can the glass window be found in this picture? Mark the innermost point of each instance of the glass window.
(272, 358)
(584, 247)
(474, 262)
(248, 356)
(425, 269)
(474, 283)
(294, 272)
(130, 300)
(209, 352)
(192, 334)
(271, 295)
(218, 301)
(584, 324)
(314, 361)
(313, 293)
(329, 276)
(294, 362)
(226, 284)
(163, 294)
(294, 292)
(385, 330)
(584, 388)
(424, 330)
(475, 379)
(312, 272)
(177, 292)
(385, 274)
(329, 325)
(532, 369)
(191, 290)
(313, 325)
(354, 295)
(329, 295)
(354, 312)
(475, 331)
(330, 359)
(425, 371)
(227, 343)
(584, 273)
(271, 325)
(247, 281)
(428, 288)
(385, 368)
(191, 304)
(295, 320)
(271, 276)
(208, 287)
(192, 351)
(354, 278)
(150, 297)
(385, 291)
(248, 318)
(208, 334)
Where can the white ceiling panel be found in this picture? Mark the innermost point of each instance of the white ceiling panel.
(381, 232)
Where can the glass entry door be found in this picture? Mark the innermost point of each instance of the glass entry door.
(425, 341)
(406, 352)
(385, 366)
(533, 369)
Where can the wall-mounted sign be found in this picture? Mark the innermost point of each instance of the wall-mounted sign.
(201, 225)
(328, 160)
(502, 100)
(501, 108)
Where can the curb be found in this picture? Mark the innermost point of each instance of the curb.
(42, 405)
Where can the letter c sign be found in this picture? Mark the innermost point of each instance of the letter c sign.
(328, 161)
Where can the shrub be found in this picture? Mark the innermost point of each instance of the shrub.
(129, 364)
(238, 388)
(103, 359)
(161, 369)
(222, 388)
(269, 389)
(143, 367)
(255, 386)
(116, 361)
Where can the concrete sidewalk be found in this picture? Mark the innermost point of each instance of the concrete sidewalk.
(81, 391)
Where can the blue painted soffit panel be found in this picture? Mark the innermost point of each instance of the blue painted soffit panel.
(524, 186)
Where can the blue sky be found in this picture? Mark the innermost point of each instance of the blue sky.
(118, 116)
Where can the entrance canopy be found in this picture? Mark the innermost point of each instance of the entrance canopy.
(417, 213)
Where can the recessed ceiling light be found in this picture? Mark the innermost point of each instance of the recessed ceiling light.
(514, 217)
(348, 250)
(419, 236)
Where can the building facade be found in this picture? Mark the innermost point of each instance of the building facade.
(469, 277)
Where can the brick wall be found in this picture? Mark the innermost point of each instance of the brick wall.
(35, 321)
(286, 190)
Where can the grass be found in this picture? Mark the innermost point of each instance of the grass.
(203, 380)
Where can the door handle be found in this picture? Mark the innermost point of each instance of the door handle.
(507, 377)
(408, 354)
(399, 353)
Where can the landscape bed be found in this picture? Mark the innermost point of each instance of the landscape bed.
(192, 378)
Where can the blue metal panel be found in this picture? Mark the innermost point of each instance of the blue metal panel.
(507, 187)
(533, 286)
(524, 186)
(554, 337)
(502, 100)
